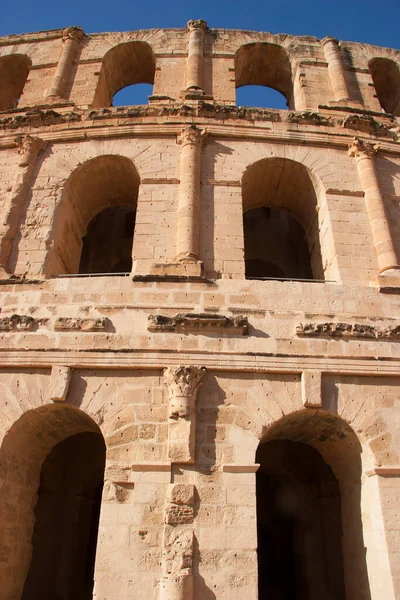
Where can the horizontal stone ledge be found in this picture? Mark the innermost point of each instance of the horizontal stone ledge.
(84, 325)
(348, 330)
(151, 467)
(198, 322)
(234, 468)
(384, 471)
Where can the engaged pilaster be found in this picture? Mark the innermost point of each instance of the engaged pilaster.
(183, 384)
(335, 69)
(71, 40)
(188, 226)
(28, 148)
(364, 153)
(195, 60)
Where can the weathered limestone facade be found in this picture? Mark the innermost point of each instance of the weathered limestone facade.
(233, 375)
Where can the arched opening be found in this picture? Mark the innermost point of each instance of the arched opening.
(309, 529)
(14, 70)
(280, 221)
(386, 77)
(264, 64)
(94, 223)
(51, 504)
(127, 64)
(133, 95)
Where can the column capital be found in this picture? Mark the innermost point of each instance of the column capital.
(361, 149)
(329, 39)
(73, 33)
(192, 135)
(196, 24)
(28, 145)
(183, 381)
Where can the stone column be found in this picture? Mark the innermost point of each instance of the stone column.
(28, 148)
(188, 226)
(71, 39)
(364, 153)
(183, 383)
(195, 59)
(335, 69)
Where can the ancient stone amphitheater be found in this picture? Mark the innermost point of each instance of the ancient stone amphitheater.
(199, 358)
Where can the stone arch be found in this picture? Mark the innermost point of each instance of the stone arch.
(98, 202)
(386, 77)
(123, 65)
(28, 456)
(281, 228)
(266, 64)
(14, 70)
(317, 452)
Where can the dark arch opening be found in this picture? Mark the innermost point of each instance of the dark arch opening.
(275, 245)
(107, 245)
(386, 77)
(280, 221)
(14, 70)
(309, 527)
(66, 520)
(94, 223)
(265, 64)
(124, 65)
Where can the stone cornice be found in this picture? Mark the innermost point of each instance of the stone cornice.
(130, 358)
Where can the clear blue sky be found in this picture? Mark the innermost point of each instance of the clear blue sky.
(354, 20)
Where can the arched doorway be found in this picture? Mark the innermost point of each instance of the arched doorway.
(57, 455)
(280, 221)
(386, 77)
(309, 530)
(268, 65)
(94, 223)
(14, 70)
(127, 64)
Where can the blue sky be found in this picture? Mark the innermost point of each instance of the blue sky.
(355, 20)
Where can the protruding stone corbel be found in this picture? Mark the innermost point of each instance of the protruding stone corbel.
(59, 383)
(28, 147)
(311, 389)
(195, 60)
(71, 40)
(183, 384)
(364, 153)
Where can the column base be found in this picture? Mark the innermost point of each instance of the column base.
(389, 280)
(180, 269)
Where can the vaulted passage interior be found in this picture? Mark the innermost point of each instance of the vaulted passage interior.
(14, 71)
(94, 224)
(66, 520)
(310, 540)
(124, 65)
(386, 77)
(280, 221)
(51, 476)
(265, 64)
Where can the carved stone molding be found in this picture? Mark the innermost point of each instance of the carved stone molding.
(360, 149)
(354, 330)
(308, 117)
(199, 323)
(366, 124)
(17, 323)
(76, 324)
(192, 135)
(183, 384)
(38, 118)
(73, 33)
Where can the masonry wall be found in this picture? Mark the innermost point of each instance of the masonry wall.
(183, 365)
